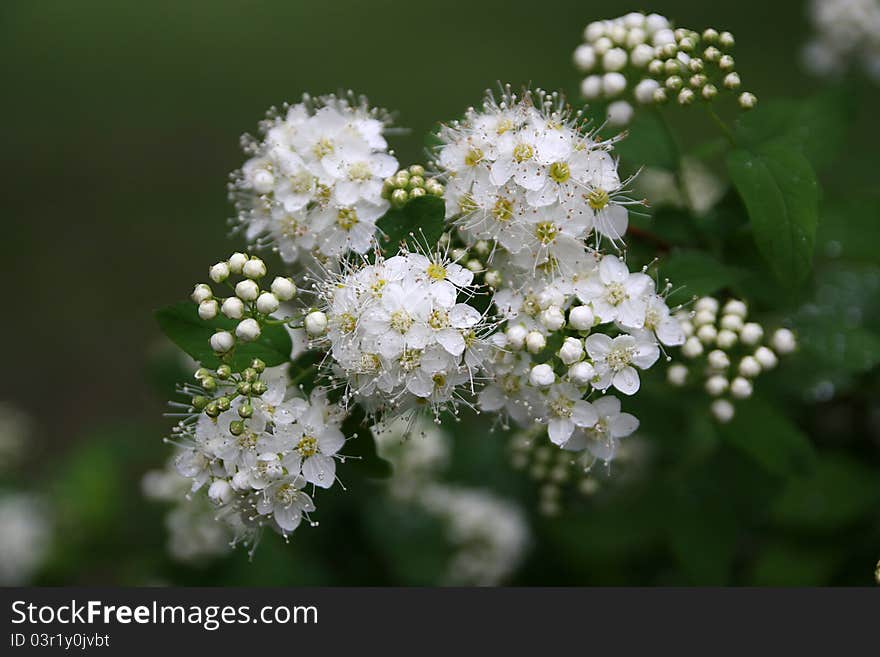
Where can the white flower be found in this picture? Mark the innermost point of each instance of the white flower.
(314, 443)
(286, 503)
(615, 359)
(602, 436)
(565, 410)
(617, 295)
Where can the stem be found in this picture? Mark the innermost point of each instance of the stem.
(721, 125)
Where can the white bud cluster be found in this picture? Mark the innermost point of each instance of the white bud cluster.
(252, 441)
(250, 305)
(846, 32)
(313, 183)
(408, 184)
(726, 351)
(641, 59)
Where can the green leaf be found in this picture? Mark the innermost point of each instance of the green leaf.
(696, 273)
(779, 189)
(766, 435)
(818, 126)
(649, 143)
(420, 221)
(182, 324)
(837, 493)
(788, 564)
(850, 229)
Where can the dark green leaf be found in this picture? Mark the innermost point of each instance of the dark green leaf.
(770, 438)
(787, 564)
(818, 126)
(420, 221)
(649, 143)
(837, 493)
(182, 324)
(779, 189)
(850, 229)
(696, 273)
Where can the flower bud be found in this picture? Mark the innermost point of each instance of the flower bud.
(267, 303)
(747, 100)
(692, 347)
(707, 303)
(613, 84)
(726, 63)
(741, 388)
(620, 112)
(220, 492)
(572, 350)
(581, 373)
(263, 181)
(585, 57)
(316, 323)
(707, 333)
(614, 60)
(240, 480)
(723, 410)
(685, 97)
(712, 54)
(709, 92)
(726, 339)
(258, 366)
(208, 309)
(732, 81)
(766, 358)
(726, 40)
(233, 308)
(219, 272)
(704, 317)
(732, 322)
(254, 268)
(644, 91)
(236, 262)
(542, 375)
(516, 337)
(710, 35)
(642, 55)
(224, 372)
(535, 342)
(245, 410)
(247, 290)
(493, 278)
(677, 374)
(751, 333)
(718, 359)
(552, 318)
(735, 307)
(581, 318)
(783, 341)
(248, 330)
(716, 385)
(602, 45)
(749, 367)
(474, 265)
(222, 341)
(283, 288)
(201, 292)
(591, 87)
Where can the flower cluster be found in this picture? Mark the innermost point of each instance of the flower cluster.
(646, 55)
(313, 183)
(525, 174)
(408, 184)
(255, 442)
(401, 333)
(249, 305)
(846, 30)
(727, 352)
(569, 337)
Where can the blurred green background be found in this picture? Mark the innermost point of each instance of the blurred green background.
(120, 124)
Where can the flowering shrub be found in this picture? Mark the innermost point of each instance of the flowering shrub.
(512, 278)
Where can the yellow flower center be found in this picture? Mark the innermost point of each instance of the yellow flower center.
(347, 218)
(560, 172)
(597, 199)
(467, 204)
(347, 323)
(400, 321)
(436, 271)
(546, 232)
(503, 209)
(439, 319)
(307, 446)
(473, 157)
(615, 294)
(523, 152)
(322, 147)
